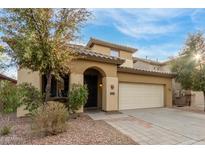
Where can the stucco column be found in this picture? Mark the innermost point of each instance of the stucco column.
(110, 94)
(34, 78)
(168, 95)
(76, 79)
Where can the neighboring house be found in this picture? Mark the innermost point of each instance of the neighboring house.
(180, 96)
(147, 64)
(3, 77)
(196, 98)
(6, 78)
(156, 66)
(113, 79)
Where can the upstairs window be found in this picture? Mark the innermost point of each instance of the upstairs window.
(114, 53)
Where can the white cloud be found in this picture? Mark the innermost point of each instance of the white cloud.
(161, 52)
(140, 23)
(148, 15)
(146, 30)
(197, 17)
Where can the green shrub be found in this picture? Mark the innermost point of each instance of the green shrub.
(5, 130)
(13, 96)
(77, 97)
(30, 96)
(50, 119)
(9, 97)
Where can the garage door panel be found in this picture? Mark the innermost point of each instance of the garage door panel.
(132, 96)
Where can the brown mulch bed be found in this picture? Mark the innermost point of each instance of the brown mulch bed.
(82, 130)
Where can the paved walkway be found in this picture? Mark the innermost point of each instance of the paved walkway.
(158, 125)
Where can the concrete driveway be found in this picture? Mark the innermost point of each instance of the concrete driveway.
(157, 125)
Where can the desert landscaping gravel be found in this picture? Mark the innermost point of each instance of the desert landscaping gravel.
(82, 130)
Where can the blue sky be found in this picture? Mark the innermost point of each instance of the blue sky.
(157, 33)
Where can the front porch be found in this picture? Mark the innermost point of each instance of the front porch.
(103, 89)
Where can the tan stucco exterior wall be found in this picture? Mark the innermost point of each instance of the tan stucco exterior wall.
(134, 78)
(80, 66)
(109, 77)
(128, 63)
(148, 66)
(166, 67)
(25, 75)
(123, 54)
(76, 79)
(128, 58)
(111, 94)
(101, 49)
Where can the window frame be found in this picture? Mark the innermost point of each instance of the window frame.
(116, 51)
(54, 93)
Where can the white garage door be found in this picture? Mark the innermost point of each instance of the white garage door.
(133, 96)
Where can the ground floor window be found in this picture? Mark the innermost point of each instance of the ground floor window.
(59, 87)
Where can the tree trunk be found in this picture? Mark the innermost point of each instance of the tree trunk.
(204, 100)
(48, 86)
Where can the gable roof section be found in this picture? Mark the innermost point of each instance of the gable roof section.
(146, 72)
(91, 55)
(3, 77)
(109, 44)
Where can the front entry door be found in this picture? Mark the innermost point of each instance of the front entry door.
(92, 83)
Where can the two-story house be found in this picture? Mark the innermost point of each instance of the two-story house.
(114, 82)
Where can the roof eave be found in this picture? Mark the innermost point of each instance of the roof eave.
(144, 72)
(7, 78)
(102, 59)
(104, 43)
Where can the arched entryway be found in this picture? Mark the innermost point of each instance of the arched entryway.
(93, 80)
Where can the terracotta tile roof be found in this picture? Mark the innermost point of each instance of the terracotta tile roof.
(135, 59)
(89, 54)
(4, 77)
(145, 72)
(109, 44)
(160, 63)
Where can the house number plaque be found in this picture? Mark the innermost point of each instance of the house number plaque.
(112, 93)
(112, 88)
